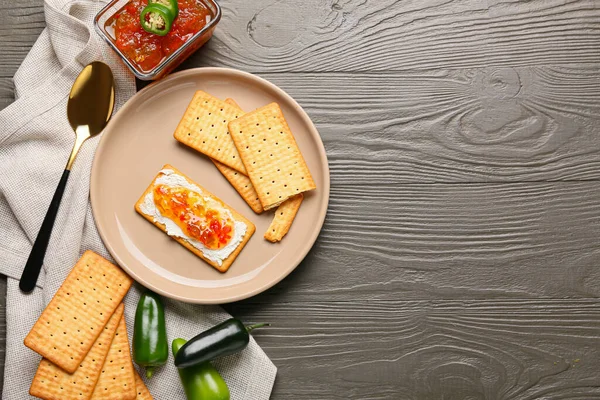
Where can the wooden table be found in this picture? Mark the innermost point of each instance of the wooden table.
(460, 255)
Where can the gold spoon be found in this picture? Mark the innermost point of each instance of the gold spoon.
(90, 106)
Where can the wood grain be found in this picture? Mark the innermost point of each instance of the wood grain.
(21, 22)
(7, 89)
(385, 35)
(442, 349)
(469, 125)
(436, 241)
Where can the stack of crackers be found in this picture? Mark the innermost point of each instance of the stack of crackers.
(82, 338)
(256, 152)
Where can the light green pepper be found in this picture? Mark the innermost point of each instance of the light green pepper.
(202, 381)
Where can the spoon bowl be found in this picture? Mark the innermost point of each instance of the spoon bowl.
(91, 103)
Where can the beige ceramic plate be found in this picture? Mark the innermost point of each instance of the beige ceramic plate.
(139, 141)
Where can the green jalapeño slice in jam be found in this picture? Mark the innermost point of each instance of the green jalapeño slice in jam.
(156, 18)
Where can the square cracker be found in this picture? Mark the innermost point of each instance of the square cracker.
(141, 390)
(53, 383)
(117, 379)
(240, 182)
(236, 216)
(271, 156)
(79, 310)
(284, 216)
(203, 127)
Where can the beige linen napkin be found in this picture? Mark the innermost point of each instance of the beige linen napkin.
(35, 141)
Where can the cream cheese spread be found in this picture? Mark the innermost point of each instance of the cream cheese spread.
(168, 177)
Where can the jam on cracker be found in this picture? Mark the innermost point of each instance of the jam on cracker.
(192, 213)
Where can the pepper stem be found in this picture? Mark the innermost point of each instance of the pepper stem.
(149, 372)
(250, 328)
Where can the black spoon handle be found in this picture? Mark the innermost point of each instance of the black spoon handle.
(36, 257)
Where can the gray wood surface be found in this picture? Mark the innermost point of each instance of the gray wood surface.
(460, 256)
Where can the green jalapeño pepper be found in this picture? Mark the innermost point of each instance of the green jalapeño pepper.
(226, 338)
(150, 346)
(170, 4)
(156, 18)
(201, 382)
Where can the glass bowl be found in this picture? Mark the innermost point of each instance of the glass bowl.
(103, 26)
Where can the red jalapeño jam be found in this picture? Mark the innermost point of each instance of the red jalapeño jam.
(146, 49)
(194, 216)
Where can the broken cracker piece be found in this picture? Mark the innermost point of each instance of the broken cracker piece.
(284, 216)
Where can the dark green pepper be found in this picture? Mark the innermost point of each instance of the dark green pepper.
(201, 382)
(226, 338)
(170, 4)
(150, 346)
(156, 18)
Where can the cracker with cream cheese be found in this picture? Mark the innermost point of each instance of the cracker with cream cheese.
(169, 184)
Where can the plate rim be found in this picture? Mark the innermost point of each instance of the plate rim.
(325, 190)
